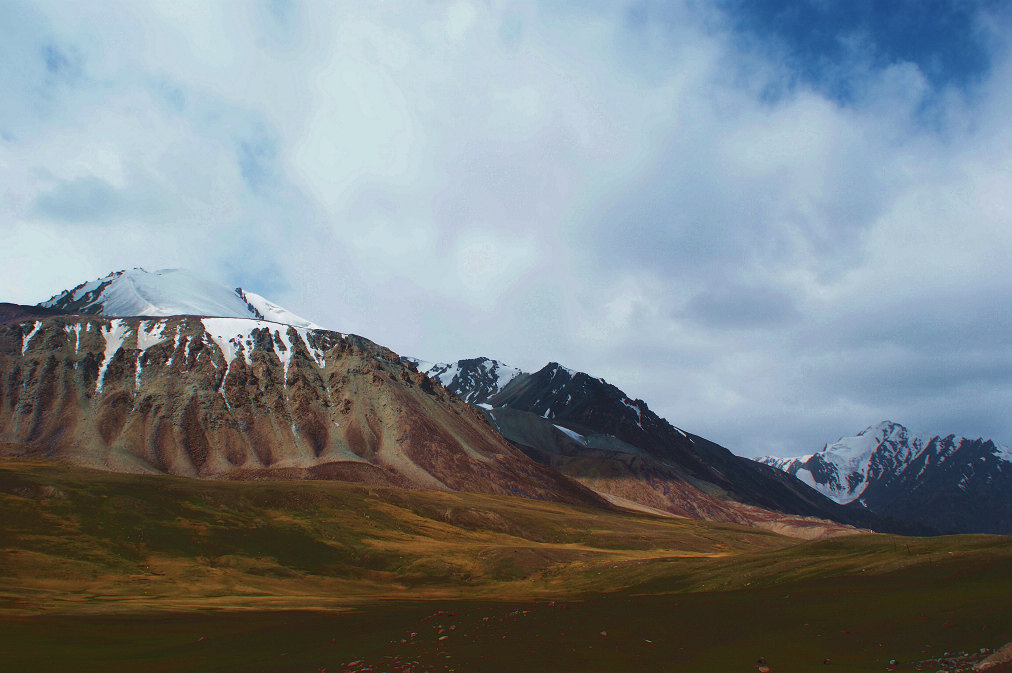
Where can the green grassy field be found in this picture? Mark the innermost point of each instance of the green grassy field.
(110, 572)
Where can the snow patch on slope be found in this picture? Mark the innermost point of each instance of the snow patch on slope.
(149, 334)
(503, 372)
(232, 336)
(235, 335)
(571, 434)
(75, 331)
(806, 476)
(113, 334)
(28, 337)
(639, 414)
(444, 373)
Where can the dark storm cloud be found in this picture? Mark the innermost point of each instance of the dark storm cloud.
(740, 306)
(976, 319)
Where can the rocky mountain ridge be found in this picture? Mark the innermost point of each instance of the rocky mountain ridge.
(593, 432)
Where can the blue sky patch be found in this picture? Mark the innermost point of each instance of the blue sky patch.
(827, 44)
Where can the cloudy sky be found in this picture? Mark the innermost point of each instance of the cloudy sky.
(776, 222)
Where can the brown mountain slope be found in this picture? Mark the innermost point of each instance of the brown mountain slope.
(247, 399)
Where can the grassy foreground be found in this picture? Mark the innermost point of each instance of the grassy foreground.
(111, 572)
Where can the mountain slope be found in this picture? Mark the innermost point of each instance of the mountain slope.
(167, 292)
(952, 483)
(591, 431)
(238, 398)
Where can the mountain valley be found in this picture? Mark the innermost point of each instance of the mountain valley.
(105, 569)
(195, 477)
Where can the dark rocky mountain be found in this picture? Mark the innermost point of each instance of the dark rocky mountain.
(591, 431)
(238, 398)
(955, 484)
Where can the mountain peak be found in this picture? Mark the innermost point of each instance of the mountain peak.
(554, 368)
(891, 471)
(884, 429)
(474, 380)
(165, 292)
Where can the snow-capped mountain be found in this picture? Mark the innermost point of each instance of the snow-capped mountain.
(844, 469)
(952, 483)
(137, 292)
(167, 372)
(593, 432)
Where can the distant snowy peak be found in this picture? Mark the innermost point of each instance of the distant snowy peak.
(167, 292)
(785, 464)
(474, 380)
(880, 456)
(844, 469)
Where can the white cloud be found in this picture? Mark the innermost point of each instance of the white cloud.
(595, 186)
